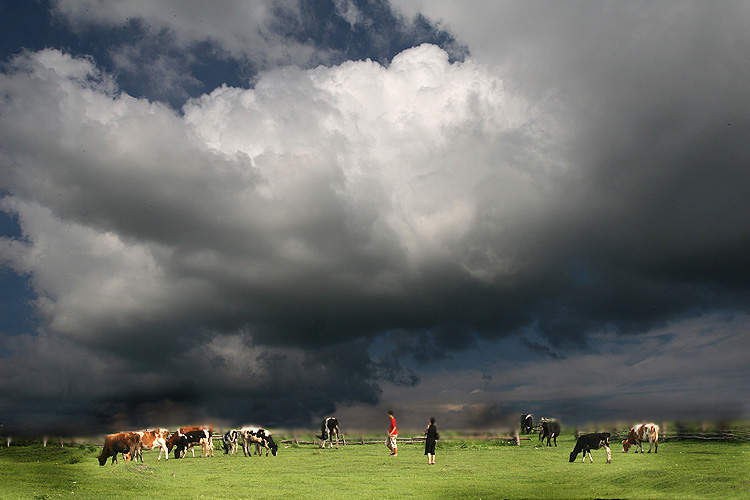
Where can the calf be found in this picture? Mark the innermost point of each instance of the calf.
(639, 434)
(550, 430)
(230, 442)
(588, 442)
(122, 442)
(260, 438)
(527, 423)
(329, 429)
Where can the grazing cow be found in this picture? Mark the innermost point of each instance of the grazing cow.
(175, 437)
(260, 438)
(527, 423)
(550, 430)
(588, 442)
(122, 442)
(639, 434)
(230, 442)
(328, 429)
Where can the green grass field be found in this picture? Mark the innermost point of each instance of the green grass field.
(465, 470)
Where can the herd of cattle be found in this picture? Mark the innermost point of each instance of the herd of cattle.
(183, 439)
(550, 429)
(131, 444)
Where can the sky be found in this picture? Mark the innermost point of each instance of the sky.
(272, 211)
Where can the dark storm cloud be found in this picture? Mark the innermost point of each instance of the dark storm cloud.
(583, 174)
(540, 349)
(229, 380)
(646, 225)
(388, 367)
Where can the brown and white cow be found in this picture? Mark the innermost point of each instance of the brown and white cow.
(122, 442)
(151, 439)
(640, 433)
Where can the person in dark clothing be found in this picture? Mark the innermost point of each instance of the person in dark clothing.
(429, 444)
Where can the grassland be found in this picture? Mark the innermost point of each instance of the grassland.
(465, 470)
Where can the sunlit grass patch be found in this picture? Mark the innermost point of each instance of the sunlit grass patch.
(465, 469)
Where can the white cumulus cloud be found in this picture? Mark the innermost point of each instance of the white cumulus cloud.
(343, 183)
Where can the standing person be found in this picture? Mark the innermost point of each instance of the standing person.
(392, 435)
(429, 444)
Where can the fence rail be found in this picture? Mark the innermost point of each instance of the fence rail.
(737, 435)
(728, 435)
(410, 440)
(733, 435)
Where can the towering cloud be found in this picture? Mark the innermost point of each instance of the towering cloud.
(318, 208)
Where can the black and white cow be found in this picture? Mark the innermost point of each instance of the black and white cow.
(260, 438)
(190, 439)
(588, 442)
(230, 440)
(550, 430)
(527, 423)
(328, 430)
(175, 438)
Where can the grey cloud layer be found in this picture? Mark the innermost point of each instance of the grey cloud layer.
(268, 234)
(299, 206)
(318, 208)
(685, 370)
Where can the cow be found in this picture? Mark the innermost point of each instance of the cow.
(550, 430)
(122, 442)
(588, 442)
(190, 439)
(175, 437)
(230, 441)
(151, 439)
(328, 429)
(640, 433)
(260, 438)
(527, 423)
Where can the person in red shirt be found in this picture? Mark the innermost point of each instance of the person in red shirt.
(392, 435)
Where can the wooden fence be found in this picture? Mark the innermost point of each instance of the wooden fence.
(668, 433)
(739, 435)
(408, 440)
(729, 435)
